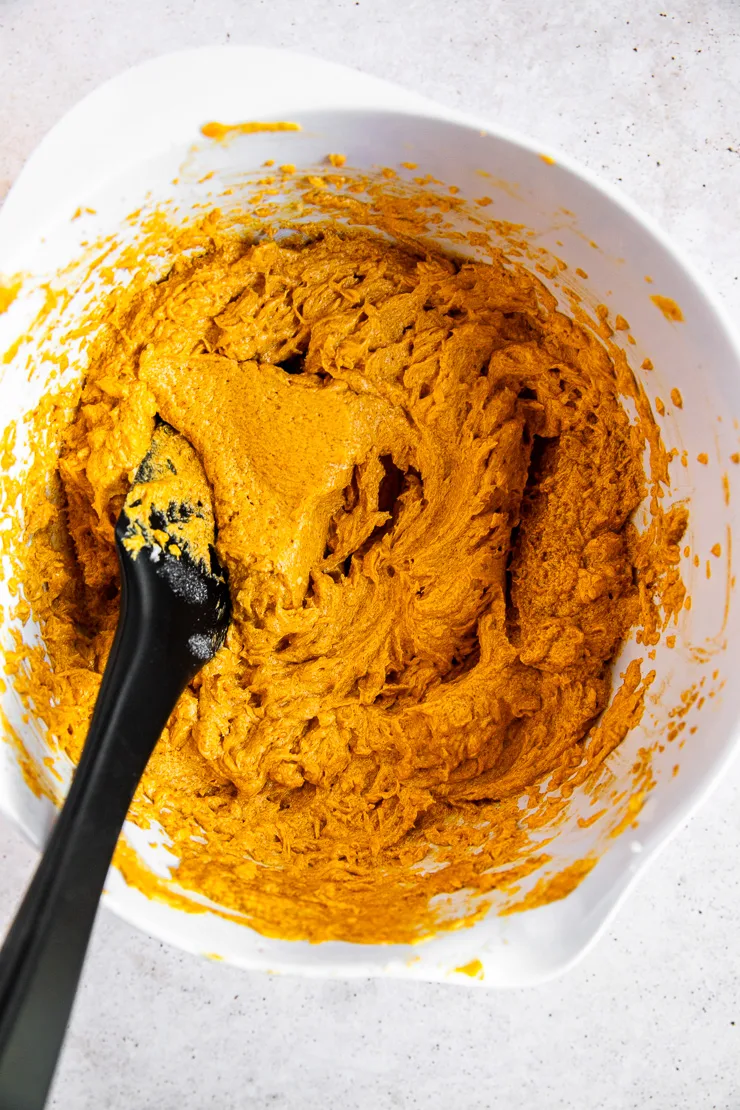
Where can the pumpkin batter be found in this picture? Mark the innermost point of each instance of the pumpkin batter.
(423, 480)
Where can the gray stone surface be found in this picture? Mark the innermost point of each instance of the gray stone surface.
(648, 97)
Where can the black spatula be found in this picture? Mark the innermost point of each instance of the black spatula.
(175, 610)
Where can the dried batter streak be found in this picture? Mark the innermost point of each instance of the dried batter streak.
(423, 479)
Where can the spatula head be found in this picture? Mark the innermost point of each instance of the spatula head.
(166, 543)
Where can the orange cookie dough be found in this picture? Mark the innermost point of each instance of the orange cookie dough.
(423, 479)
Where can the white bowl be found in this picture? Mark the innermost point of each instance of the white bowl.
(131, 136)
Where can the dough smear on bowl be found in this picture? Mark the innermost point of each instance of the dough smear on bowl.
(423, 477)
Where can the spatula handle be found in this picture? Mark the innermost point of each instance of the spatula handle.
(42, 958)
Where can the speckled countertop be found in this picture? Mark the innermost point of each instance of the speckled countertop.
(649, 97)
